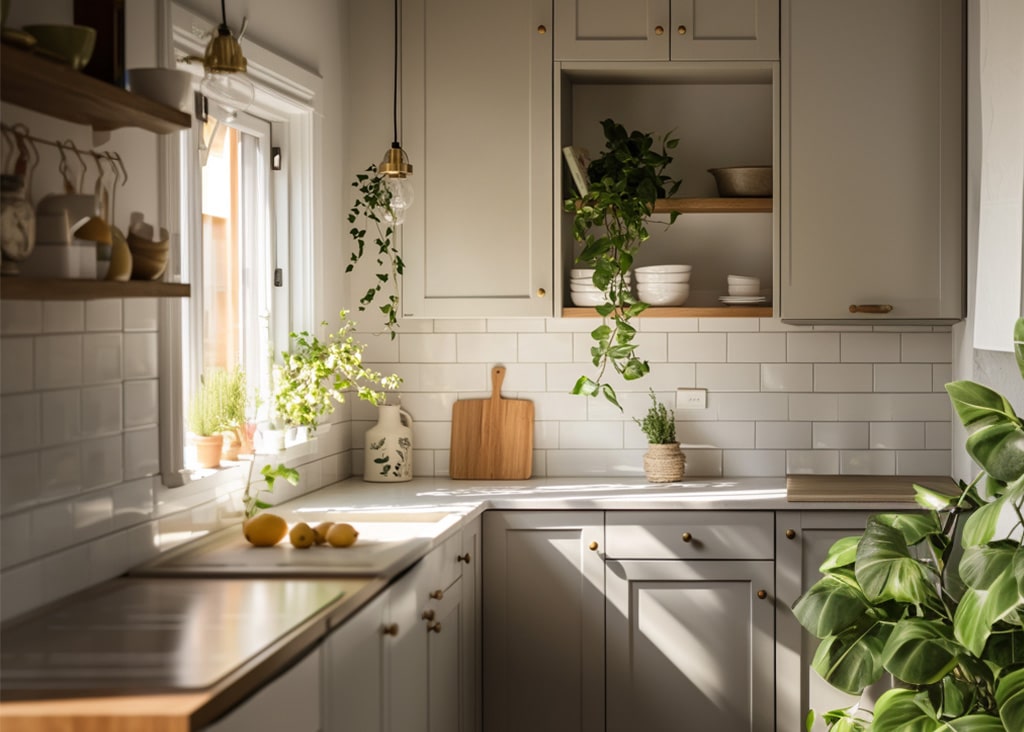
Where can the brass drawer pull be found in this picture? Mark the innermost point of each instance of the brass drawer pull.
(463, 558)
(541, 29)
(872, 309)
(428, 615)
(593, 546)
(437, 594)
(391, 630)
(687, 537)
(790, 534)
(761, 594)
(658, 30)
(682, 30)
(434, 627)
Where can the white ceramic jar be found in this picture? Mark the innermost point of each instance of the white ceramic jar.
(388, 447)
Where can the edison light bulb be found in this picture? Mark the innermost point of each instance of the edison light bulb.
(401, 199)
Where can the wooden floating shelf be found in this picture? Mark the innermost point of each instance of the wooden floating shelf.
(713, 205)
(55, 89)
(46, 288)
(725, 311)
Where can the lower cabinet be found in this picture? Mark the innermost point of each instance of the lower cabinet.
(401, 663)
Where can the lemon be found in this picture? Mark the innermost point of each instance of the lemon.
(321, 531)
(302, 536)
(342, 535)
(265, 529)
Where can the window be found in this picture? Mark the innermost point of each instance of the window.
(245, 233)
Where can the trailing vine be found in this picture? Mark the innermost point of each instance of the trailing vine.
(611, 222)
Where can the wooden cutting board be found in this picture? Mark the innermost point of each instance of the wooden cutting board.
(858, 488)
(492, 438)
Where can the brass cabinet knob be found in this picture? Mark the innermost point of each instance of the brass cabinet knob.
(681, 30)
(593, 546)
(790, 534)
(437, 594)
(687, 537)
(463, 558)
(873, 309)
(541, 29)
(390, 629)
(541, 292)
(658, 30)
(761, 594)
(428, 615)
(434, 627)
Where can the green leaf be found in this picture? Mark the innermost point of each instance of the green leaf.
(1018, 344)
(982, 524)
(609, 394)
(977, 403)
(904, 710)
(829, 607)
(920, 651)
(975, 723)
(999, 449)
(851, 660)
(932, 499)
(1010, 699)
(887, 571)
(915, 527)
(843, 553)
(980, 609)
(585, 386)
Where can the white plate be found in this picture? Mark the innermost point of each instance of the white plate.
(664, 268)
(742, 299)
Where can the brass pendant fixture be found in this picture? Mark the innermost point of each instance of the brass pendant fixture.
(225, 65)
(395, 168)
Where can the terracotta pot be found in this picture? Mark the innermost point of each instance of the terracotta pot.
(664, 463)
(232, 446)
(208, 450)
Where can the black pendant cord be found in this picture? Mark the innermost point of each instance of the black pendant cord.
(223, 18)
(394, 96)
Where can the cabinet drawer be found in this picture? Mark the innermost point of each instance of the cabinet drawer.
(443, 565)
(689, 535)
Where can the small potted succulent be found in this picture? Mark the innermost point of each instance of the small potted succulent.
(664, 462)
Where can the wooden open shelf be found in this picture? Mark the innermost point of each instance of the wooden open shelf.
(713, 205)
(725, 311)
(46, 86)
(46, 288)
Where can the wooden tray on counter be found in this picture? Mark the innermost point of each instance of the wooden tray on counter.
(863, 488)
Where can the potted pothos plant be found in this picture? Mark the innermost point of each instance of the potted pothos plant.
(610, 221)
(664, 462)
(315, 375)
(373, 217)
(936, 599)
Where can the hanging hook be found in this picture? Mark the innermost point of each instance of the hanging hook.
(78, 154)
(12, 146)
(26, 143)
(124, 170)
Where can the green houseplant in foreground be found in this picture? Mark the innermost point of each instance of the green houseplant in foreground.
(663, 461)
(611, 223)
(251, 500)
(935, 599)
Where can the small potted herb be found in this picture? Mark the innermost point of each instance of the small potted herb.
(664, 462)
(206, 421)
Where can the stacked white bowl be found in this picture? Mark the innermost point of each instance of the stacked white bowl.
(663, 284)
(582, 290)
(742, 286)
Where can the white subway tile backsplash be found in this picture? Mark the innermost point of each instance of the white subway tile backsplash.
(101, 361)
(869, 347)
(753, 463)
(19, 481)
(923, 462)
(133, 502)
(427, 347)
(667, 325)
(16, 365)
(15, 540)
(724, 435)
(787, 377)
(460, 325)
(60, 471)
(92, 515)
(703, 463)
(814, 407)
(811, 347)
(52, 527)
(897, 435)
(141, 403)
(140, 356)
(590, 435)
(141, 453)
(451, 377)
(938, 435)
(428, 406)
(102, 412)
(425, 435)
(545, 347)
(942, 374)
(102, 461)
(756, 347)
(729, 376)
(58, 361)
(108, 557)
(594, 463)
(545, 436)
(571, 325)
(893, 377)
(760, 407)
(697, 347)
(65, 572)
(783, 436)
(553, 406)
(62, 416)
(63, 316)
(812, 462)
(926, 348)
(140, 314)
(103, 315)
(20, 423)
(867, 462)
(21, 317)
(23, 590)
(840, 436)
(516, 325)
(893, 407)
(485, 347)
(842, 377)
(728, 325)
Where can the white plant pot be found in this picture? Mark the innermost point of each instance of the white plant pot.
(387, 454)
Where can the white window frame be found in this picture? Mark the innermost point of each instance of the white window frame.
(291, 99)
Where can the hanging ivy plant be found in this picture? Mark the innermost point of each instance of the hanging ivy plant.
(610, 221)
(372, 209)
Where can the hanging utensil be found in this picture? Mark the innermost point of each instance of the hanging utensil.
(28, 158)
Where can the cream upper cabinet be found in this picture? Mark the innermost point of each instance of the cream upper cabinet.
(477, 120)
(873, 147)
(658, 30)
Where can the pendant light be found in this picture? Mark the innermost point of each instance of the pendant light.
(225, 66)
(395, 167)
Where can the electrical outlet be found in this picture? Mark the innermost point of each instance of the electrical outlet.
(691, 398)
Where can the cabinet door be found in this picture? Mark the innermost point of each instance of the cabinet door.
(445, 626)
(543, 621)
(731, 30)
(353, 671)
(690, 641)
(802, 544)
(873, 147)
(291, 701)
(472, 691)
(477, 112)
(405, 654)
(604, 30)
